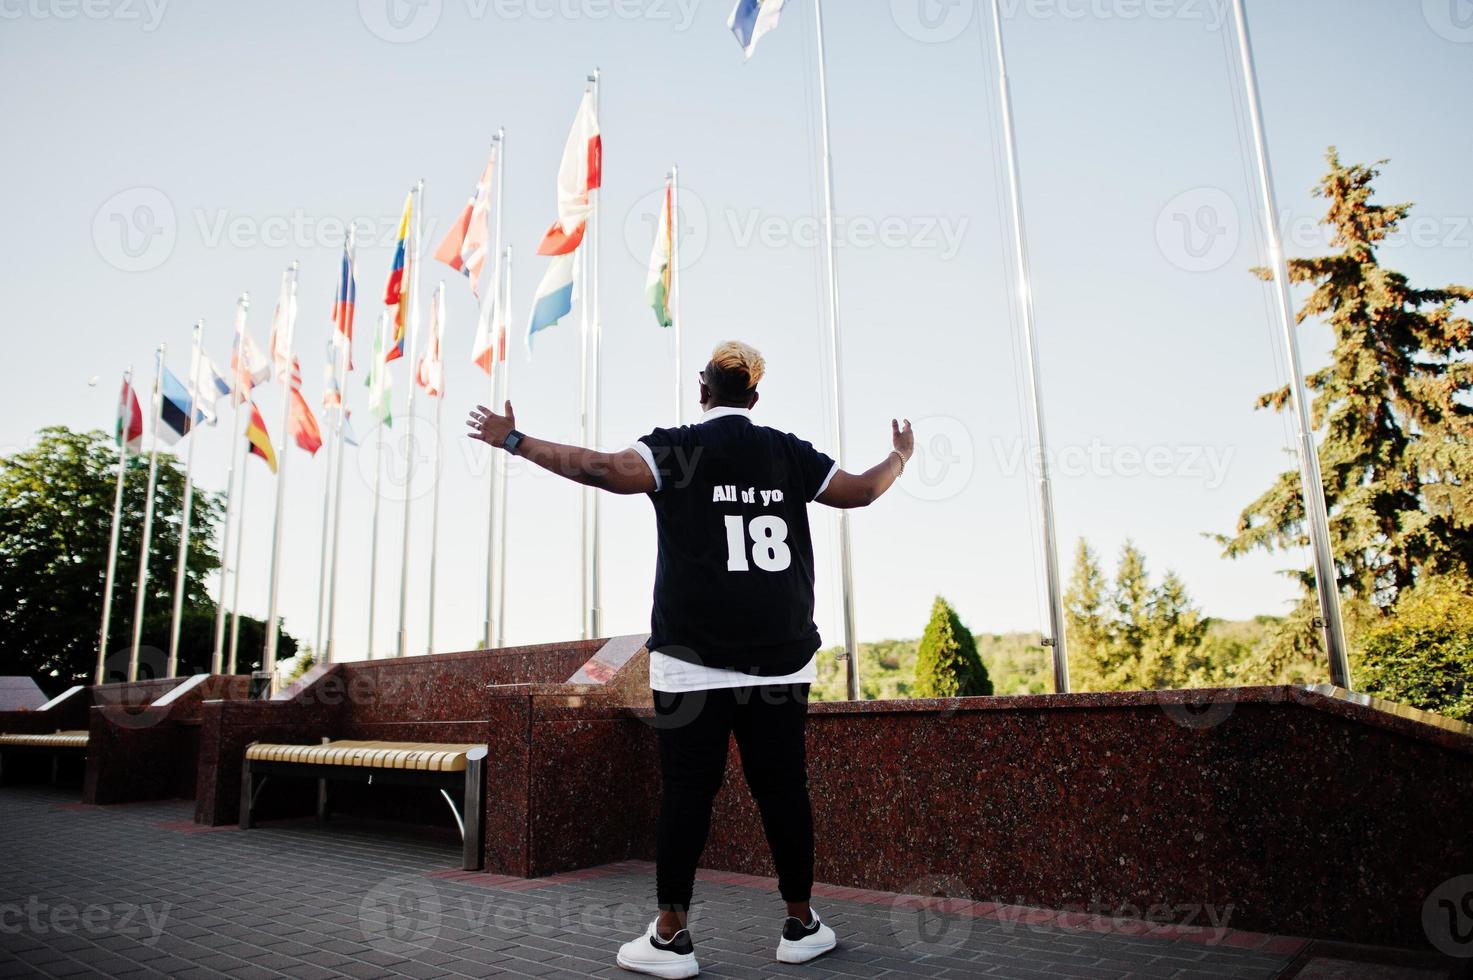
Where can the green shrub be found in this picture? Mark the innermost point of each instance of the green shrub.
(947, 664)
(1422, 654)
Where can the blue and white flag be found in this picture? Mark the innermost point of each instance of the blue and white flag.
(750, 19)
(209, 387)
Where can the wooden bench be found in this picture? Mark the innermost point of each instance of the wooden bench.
(57, 744)
(457, 771)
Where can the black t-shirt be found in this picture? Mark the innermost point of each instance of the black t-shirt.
(734, 577)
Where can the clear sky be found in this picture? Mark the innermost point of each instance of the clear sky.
(242, 136)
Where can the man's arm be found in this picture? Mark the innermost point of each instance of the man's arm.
(621, 472)
(848, 490)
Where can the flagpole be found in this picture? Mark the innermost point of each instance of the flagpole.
(595, 230)
(585, 291)
(289, 295)
(153, 472)
(245, 472)
(185, 513)
(846, 558)
(217, 653)
(329, 654)
(1311, 485)
(503, 341)
(403, 645)
(1058, 642)
(326, 540)
(674, 297)
(378, 467)
(491, 309)
(437, 327)
(124, 404)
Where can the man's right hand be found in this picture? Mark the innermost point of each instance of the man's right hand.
(904, 439)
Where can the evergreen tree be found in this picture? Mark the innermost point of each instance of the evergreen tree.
(947, 664)
(56, 501)
(1394, 413)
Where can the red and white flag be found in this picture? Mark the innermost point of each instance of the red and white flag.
(302, 424)
(579, 173)
(464, 248)
(130, 420)
(430, 372)
(283, 326)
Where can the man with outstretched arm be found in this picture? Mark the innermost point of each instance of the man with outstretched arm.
(732, 637)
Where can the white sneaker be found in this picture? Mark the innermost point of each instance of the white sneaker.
(801, 943)
(673, 958)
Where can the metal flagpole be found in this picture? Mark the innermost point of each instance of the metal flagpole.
(329, 650)
(595, 218)
(245, 472)
(112, 548)
(1311, 486)
(491, 308)
(1058, 641)
(327, 483)
(289, 296)
(185, 514)
(153, 472)
(217, 654)
(437, 325)
(674, 298)
(503, 340)
(378, 467)
(584, 302)
(851, 646)
(413, 340)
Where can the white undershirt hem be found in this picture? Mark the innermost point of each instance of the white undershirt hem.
(669, 675)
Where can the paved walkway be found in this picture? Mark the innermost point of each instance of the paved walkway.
(138, 891)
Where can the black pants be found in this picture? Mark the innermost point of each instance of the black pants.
(768, 722)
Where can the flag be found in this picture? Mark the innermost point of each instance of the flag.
(332, 392)
(349, 436)
(248, 366)
(396, 293)
(208, 387)
(380, 384)
(579, 173)
(130, 420)
(490, 343)
(343, 308)
(259, 439)
(283, 326)
(657, 287)
(302, 424)
(464, 248)
(294, 377)
(430, 374)
(554, 294)
(750, 19)
(174, 409)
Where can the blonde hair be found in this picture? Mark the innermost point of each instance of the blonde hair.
(739, 362)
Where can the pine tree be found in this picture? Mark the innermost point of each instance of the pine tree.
(947, 664)
(1394, 414)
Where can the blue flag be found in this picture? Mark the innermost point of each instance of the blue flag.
(174, 409)
(750, 19)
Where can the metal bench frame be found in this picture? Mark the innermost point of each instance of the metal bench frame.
(469, 786)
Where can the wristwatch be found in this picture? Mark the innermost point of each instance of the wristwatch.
(512, 441)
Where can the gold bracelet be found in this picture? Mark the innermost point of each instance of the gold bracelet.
(896, 452)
